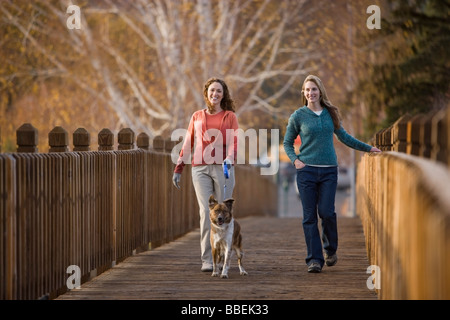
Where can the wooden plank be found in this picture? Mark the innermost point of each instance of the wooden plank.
(34, 239)
(9, 226)
(22, 276)
(274, 258)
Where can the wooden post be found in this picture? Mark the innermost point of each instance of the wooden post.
(414, 134)
(387, 137)
(427, 133)
(378, 139)
(440, 137)
(58, 140)
(105, 140)
(399, 131)
(168, 145)
(27, 138)
(143, 141)
(125, 139)
(81, 140)
(158, 144)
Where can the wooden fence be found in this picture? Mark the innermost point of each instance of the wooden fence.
(91, 209)
(403, 199)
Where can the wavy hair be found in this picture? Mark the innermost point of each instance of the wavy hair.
(227, 103)
(324, 101)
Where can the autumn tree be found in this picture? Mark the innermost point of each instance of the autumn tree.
(142, 64)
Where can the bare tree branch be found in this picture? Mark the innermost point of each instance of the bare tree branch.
(162, 51)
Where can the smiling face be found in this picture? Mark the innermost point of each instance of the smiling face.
(311, 92)
(215, 94)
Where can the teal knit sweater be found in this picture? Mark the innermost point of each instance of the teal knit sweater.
(316, 133)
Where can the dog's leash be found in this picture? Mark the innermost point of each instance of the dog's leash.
(225, 173)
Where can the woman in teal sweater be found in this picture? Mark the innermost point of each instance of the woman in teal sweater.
(316, 165)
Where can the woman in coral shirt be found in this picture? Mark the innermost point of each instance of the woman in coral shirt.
(211, 138)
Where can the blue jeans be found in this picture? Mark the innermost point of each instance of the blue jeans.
(317, 188)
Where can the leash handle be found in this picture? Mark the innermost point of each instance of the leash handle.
(225, 171)
(226, 175)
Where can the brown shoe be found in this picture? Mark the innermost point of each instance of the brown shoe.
(330, 260)
(314, 267)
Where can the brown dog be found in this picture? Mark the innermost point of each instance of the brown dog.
(225, 236)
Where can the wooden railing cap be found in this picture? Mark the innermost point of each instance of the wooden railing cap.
(125, 138)
(58, 140)
(27, 138)
(158, 143)
(81, 140)
(143, 141)
(105, 140)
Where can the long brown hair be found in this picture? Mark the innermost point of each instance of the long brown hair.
(227, 103)
(324, 101)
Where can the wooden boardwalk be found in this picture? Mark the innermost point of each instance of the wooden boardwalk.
(274, 258)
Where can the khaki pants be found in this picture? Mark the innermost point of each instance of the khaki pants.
(209, 180)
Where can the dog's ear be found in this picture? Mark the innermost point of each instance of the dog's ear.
(229, 203)
(212, 202)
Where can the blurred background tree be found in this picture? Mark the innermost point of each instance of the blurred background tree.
(142, 64)
(409, 67)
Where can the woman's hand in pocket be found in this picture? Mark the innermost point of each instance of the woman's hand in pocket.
(298, 164)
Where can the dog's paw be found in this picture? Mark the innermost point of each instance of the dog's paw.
(243, 273)
(224, 276)
(215, 274)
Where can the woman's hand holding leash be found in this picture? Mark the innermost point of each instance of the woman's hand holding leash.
(226, 165)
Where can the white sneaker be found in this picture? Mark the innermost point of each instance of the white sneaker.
(207, 267)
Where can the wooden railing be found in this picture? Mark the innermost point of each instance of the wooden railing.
(91, 209)
(423, 135)
(403, 200)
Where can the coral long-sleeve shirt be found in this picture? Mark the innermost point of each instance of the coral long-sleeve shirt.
(212, 137)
